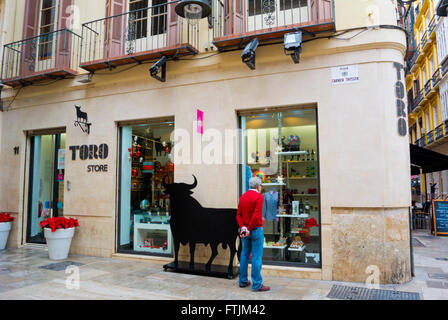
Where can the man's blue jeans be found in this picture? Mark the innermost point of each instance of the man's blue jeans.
(252, 244)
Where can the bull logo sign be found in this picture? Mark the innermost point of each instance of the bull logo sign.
(193, 224)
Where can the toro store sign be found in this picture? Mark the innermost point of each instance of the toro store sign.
(92, 152)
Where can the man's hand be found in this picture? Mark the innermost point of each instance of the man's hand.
(244, 232)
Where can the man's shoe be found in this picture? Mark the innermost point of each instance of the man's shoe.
(263, 288)
(245, 285)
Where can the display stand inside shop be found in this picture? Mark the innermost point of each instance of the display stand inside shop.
(291, 196)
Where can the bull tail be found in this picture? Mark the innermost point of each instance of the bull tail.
(240, 249)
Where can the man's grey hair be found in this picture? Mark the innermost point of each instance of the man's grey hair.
(254, 183)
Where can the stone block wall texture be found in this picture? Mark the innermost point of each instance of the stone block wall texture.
(376, 237)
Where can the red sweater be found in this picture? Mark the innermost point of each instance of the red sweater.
(250, 210)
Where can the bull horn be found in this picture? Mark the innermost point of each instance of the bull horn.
(195, 183)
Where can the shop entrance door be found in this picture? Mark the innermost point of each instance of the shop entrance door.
(46, 182)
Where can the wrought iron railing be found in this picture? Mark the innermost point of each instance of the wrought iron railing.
(415, 56)
(246, 18)
(138, 35)
(430, 137)
(436, 78)
(424, 39)
(419, 98)
(432, 24)
(54, 53)
(439, 132)
(428, 87)
(444, 68)
(421, 142)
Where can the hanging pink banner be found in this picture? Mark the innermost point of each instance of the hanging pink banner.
(200, 122)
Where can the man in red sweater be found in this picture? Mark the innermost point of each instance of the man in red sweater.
(250, 220)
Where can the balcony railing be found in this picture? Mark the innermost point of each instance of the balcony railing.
(236, 22)
(436, 78)
(439, 132)
(428, 87)
(46, 56)
(430, 137)
(419, 98)
(421, 142)
(415, 56)
(444, 68)
(432, 24)
(136, 36)
(424, 39)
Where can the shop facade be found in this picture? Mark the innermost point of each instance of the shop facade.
(350, 174)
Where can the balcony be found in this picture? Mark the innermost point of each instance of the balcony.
(418, 99)
(413, 62)
(430, 137)
(237, 22)
(432, 25)
(436, 78)
(428, 87)
(444, 68)
(424, 40)
(421, 142)
(53, 55)
(137, 36)
(439, 132)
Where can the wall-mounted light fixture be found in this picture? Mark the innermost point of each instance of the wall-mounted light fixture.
(159, 68)
(293, 45)
(248, 55)
(193, 10)
(82, 120)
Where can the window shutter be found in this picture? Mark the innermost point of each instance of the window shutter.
(321, 10)
(235, 17)
(174, 32)
(64, 38)
(115, 28)
(30, 29)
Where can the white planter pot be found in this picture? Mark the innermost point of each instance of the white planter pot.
(4, 232)
(58, 242)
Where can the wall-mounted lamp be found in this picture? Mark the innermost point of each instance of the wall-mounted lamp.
(248, 55)
(159, 68)
(293, 45)
(193, 10)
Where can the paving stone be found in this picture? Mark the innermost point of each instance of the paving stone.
(437, 284)
(439, 276)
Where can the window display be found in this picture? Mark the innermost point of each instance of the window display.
(281, 149)
(144, 208)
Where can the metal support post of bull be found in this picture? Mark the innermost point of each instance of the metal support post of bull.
(193, 224)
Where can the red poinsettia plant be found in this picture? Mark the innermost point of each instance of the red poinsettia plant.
(6, 217)
(311, 223)
(56, 223)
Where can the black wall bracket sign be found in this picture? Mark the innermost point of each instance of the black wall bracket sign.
(82, 120)
(193, 224)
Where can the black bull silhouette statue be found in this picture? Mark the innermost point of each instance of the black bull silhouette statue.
(193, 224)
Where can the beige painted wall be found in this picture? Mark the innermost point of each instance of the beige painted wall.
(363, 162)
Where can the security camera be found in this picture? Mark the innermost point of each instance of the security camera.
(293, 45)
(248, 55)
(155, 69)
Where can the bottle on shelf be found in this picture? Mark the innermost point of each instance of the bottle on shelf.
(301, 207)
(312, 154)
(307, 207)
(308, 155)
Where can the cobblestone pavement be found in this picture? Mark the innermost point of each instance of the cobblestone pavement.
(22, 277)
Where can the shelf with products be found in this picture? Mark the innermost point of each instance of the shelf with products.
(301, 178)
(275, 247)
(305, 195)
(297, 249)
(302, 216)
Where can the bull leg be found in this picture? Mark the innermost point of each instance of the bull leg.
(192, 250)
(232, 257)
(176, 252)
(213, 256)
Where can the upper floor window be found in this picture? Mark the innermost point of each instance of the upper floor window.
(257, 7)
(48, 23)
(140, 11)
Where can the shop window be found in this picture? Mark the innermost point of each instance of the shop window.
(289, 169)
(144, 208)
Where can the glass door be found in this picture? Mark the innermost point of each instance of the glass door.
(46, 183)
